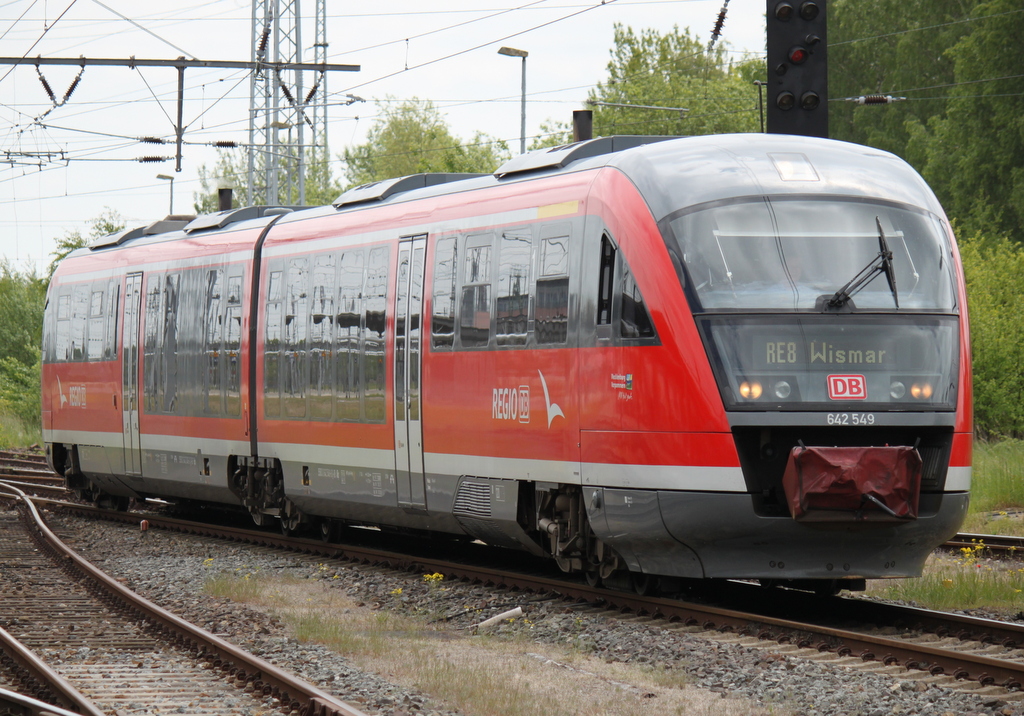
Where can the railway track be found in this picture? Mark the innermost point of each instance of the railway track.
(983, 656)
(85, 642)
(980, 655)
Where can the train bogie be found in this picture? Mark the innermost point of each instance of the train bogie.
(614, 354)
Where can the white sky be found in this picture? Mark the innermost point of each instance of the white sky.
(477, 89)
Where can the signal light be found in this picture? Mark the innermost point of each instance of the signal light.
(809, 11)
(809, 100)
(798, 74)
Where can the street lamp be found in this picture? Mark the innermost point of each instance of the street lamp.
(512, 52)
(166, 177)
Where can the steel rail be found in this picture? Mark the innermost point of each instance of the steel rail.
(63, 691)
(962, 665)
(305, 697)
(21, 704)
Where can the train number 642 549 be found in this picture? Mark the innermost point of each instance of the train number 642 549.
(851, 419)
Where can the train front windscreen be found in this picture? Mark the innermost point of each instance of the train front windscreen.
(813, 304)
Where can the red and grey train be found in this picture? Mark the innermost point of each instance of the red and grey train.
(737, 356)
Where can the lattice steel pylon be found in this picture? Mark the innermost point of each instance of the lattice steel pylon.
(279, 108)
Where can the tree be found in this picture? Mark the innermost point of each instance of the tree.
(891, 47)
(995, 293)
(673, 71)
(975, 151)
(108, 222)
(232, 169)
(411, 137)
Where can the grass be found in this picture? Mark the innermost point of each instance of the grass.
(485, 675)
(971, 579)
(15, 433)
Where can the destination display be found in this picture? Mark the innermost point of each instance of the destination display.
(811, 363)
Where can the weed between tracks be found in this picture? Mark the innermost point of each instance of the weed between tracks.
(485, 675)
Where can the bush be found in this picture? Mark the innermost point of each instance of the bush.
(995, 295)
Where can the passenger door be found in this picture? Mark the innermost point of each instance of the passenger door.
(130, 374)
(408, 347)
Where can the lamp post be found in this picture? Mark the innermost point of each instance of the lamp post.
(169, 178)
(512, 52)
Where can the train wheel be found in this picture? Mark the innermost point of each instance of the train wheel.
(593, 577)
(258, 518)
(328, 530)
(290, 524)
(643, 584)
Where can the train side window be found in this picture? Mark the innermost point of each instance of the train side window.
(374, 405)
(213, 336)
(233, 347)
(113, 305)
(295, 364)
(475, 309)
(552, 310)
(606, 278)
(63, 347)
(321, 336)
(167, 389)
(272, 348)
(151, 343)
(634, 320)
(79, 321)
(512, 305)
(349, 324)
(97, 327)
(443, 299)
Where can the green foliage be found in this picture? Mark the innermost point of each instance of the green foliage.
(232, 170)
(19, 389)
(22, 297)
(995, 295)
(673, 70)
(412, 137)
(975, 151)
(108, 222)
(958, 63)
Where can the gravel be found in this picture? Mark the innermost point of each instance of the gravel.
(170, 569)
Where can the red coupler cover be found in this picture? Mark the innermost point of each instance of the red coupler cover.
(853, 483)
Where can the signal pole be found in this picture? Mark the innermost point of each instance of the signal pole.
(797, 68)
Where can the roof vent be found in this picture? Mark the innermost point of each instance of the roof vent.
(105, 242)
(381, 190)
(558, 157)
(222, 218)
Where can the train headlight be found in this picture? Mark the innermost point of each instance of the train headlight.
(921, 391)
(783, 390)
(897, 389)
(751, 389)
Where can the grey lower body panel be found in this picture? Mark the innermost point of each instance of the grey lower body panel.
(718, 535)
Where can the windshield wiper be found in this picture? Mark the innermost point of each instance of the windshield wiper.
(882, 263)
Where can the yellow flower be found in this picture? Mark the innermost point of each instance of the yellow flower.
(947, 583)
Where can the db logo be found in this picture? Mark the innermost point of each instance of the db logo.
(847, 387)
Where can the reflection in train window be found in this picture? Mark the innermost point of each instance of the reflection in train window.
(321, 336)
(475, 309)
(294, 363)
(373, 337)
(513, 295)
(552, 312)
(443, 301)
(272, 349)
(349, 356)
